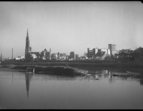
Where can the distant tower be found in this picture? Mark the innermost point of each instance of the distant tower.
(112, 48)
(50, 54)
(27, 48)
(12, 53)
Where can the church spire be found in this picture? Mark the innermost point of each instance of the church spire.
(27, 47)
(27, 33)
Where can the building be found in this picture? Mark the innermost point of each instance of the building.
(126, 51)
(138, 54)
(35, 55)
(49, 54)
(29, 55)
(130, 55)
(19, 58)
(104, 53)
(72, 55)
(45, 55)
(62, 56)
(1, 57)
(27, 48)
(99, 53)
(54, 56)
(76, 56)
(82, 58)
(124, 55)
(91, 53)
(112, 48)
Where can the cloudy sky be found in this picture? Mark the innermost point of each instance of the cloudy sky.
(70, 26)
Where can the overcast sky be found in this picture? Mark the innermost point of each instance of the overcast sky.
(69, 26)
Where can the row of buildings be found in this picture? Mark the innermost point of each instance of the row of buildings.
(130, 55)
(46, 55)
(95, 53)
(103, 53)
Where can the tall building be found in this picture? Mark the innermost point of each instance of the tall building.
(1, 57)
(72, 55)
(112, 48)
(90, 53)
(50, 54)
(99, 53)
(27, 47)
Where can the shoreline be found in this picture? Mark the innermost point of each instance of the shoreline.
(68, 70)
(11, 69)
(83, 64)
(75, 64)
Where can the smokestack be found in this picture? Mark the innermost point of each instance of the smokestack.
(12, 53)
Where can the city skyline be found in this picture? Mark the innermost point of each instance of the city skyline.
(69, 26)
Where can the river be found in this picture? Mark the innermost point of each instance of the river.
(99, 90)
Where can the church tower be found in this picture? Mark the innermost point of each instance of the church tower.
(27, 48)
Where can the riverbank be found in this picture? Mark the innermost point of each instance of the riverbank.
(11, 69)
(54, 70)
(66, 70)
(77, 64)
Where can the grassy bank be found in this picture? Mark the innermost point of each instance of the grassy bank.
(77, 64)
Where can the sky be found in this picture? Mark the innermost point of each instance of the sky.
(69, 26)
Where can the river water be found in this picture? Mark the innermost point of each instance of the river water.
(96, 91)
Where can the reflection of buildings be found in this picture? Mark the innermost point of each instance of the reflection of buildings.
(28, 79)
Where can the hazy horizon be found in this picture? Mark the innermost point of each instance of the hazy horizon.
(69, 26)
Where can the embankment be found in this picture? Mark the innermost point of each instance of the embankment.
(77, 64)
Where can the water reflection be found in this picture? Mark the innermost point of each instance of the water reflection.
(141, 82)
(12, 77)
(28, 78)
(97, 89)
(92, 74)
(111, 74)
